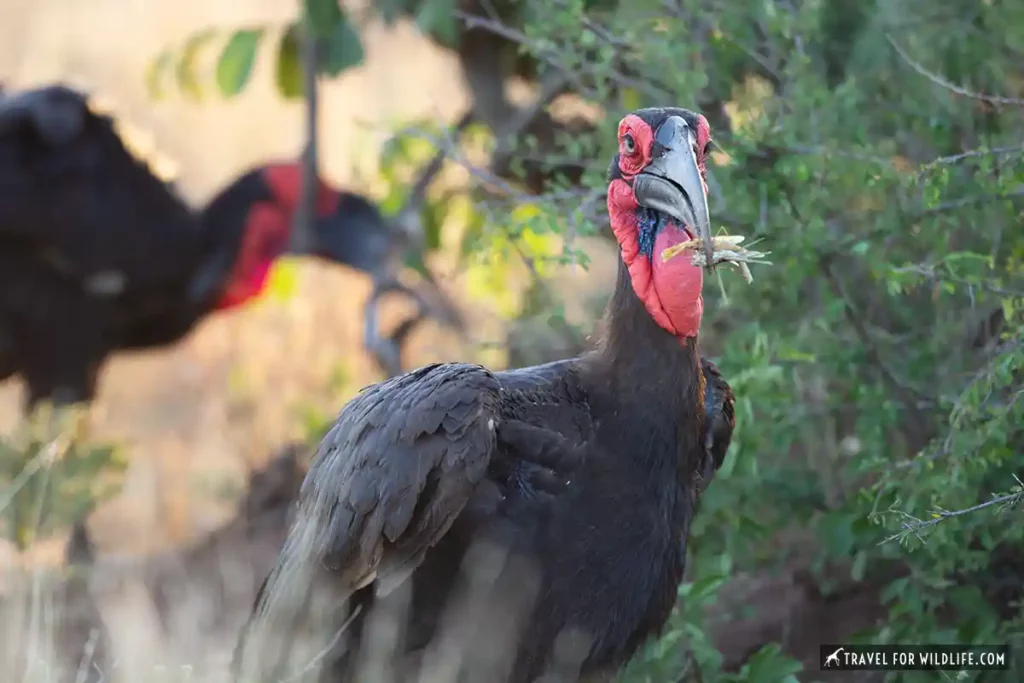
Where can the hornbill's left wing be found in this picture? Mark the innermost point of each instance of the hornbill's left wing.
(719, 420)
(399, 465)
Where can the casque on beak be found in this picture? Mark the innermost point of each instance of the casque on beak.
(672, 183)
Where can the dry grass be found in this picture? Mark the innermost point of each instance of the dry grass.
(122, 615)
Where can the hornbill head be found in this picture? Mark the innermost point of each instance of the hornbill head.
(346, 229)
(36, 127)
(55, 113)
(657, 197)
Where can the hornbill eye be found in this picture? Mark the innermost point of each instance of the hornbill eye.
(628, 144)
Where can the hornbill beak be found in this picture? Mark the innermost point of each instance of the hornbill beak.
(672, 182)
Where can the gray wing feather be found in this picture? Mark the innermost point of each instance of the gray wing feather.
(399, 465)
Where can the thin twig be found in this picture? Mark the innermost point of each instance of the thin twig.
(1010, 499)
(952, 87)
(551, 85)
(947, 444)
(956, 158)
(418, 194)
(550, 56)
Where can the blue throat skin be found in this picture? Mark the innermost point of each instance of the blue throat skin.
(649, 222)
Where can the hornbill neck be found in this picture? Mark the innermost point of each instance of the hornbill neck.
(223, 226)
(656, 380)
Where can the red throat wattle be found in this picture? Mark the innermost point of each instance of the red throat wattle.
(670, 291)
(267, 230)
(265, 237)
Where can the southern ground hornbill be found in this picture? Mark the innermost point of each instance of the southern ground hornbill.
(97, 254)
(583, 474)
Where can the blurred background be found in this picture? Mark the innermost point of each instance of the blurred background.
(876, 149)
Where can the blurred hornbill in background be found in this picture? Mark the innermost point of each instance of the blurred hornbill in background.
(97, 254)
(586, 472)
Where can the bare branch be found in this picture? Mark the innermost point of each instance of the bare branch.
(551, 85)
(952, 87)
(947, 443)
(915, 526)
(302, 232)
(554, 59)
(956, 158)
(418, 194)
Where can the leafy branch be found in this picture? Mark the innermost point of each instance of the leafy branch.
(340, 49)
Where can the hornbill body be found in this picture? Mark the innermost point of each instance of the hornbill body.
(98, 255)
(585, 471)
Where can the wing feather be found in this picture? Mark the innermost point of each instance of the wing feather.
(398, 466)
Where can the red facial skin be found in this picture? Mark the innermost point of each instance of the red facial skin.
(267, 230)
(670, 291)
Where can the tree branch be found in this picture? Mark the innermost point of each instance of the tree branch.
(952, 87)
(302, 232)
(916, 525)
(956, 158)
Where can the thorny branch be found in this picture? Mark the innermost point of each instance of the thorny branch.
(550, 56)
(915, 525)
(947, 444)
(952, 87)
(932, 274)
(956, 158)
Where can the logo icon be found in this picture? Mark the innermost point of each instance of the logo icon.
(833, 658)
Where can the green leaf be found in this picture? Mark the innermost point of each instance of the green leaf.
(323, 15)
(705, 587)
(433, 223)
(436, 18)
(156, 74)
(236, 61)
(188, 80)
(859, 565)
(288, 75)
(769, 665)
(342, 49)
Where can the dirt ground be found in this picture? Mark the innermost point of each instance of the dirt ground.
(194, 417)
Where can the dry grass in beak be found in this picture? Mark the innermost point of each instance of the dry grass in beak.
(725, 249)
